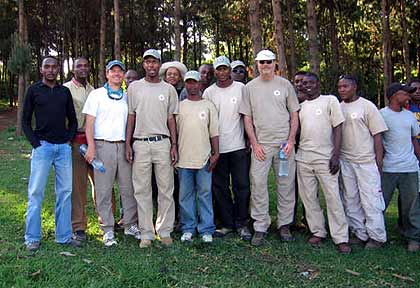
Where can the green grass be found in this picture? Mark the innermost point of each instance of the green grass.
(225, 263)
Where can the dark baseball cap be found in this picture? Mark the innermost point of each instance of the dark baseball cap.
(397, 86)
(113, 63)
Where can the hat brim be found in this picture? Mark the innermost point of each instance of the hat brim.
(174, 64)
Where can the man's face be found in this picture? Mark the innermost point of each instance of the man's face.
(192, 86)
(81, 69)
(49, 69)
(297, 81)
(172, 76)
(115, 75)
(206, 73)
(130, 76)
(238, 74)
(266, 67)
(151, 66)
(310, 87)
(346, 89)
(416, 95)
(222, 73)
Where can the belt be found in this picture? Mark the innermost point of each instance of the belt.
(103, 140)
(152, 139)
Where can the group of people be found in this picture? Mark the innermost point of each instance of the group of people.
(203, 152)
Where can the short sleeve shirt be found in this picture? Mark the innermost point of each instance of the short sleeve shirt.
(317, 118)
(415, 109)
(270, 104)
(110, 115)
(231, 126)
(362, 122)
(79, 94)
(196, 123)
(153, 104)
(399, 154)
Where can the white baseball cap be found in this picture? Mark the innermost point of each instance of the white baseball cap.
(265, 55)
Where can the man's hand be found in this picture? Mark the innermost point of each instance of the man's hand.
(129, 153)
(379, 163)
(90, 154)
(288, 148)
(174, 154)
(258, 151)
(334, 164)
(213, 161)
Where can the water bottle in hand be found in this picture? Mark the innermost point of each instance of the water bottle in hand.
(283, 163)
(96, 163)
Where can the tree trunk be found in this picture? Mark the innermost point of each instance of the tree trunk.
(278, 25)
(386, 41)
(185, 36)
(291, 30)
(102, 31)
(335, 63)
(117, 42)
(406, 49)
(255, 26)
(314, 57)
(177, 28)
(21, 77)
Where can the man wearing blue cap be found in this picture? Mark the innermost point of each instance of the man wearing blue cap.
(106, 117)
(151, 129)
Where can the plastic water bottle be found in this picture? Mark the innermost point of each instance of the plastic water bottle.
(96, 163)
(283, 164)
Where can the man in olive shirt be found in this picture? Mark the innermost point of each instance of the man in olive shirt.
(270, 106)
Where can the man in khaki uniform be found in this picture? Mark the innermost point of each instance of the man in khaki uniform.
(318, 162)
(151, 125)
(270, 108)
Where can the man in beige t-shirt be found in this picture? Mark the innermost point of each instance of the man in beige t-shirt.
(270, 108)
(318, 162)
(151, 125)
(361, 162)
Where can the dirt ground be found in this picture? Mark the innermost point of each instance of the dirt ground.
(7, 118)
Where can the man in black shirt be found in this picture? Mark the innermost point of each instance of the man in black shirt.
(52, 105)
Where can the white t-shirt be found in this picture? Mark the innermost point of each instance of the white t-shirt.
(231, 124)
(110, 115)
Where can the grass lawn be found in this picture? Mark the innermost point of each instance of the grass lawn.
(225, 263)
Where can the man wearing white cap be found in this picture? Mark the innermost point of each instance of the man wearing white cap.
(226, 95)
(270, 107)
(151, 129)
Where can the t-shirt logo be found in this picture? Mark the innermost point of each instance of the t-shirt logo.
(161, 97)
(318, 112)
(353, 115)
(233, 100)
(277, 92)
(202, 115)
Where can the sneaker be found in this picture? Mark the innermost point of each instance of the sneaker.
(258, 239)
(315, 240)
(32, 246)
(166, 241)
(109, 239)
(373, 244)
(145, 243)
(344, 248)
(284, 234)
(187, 237)
(132, 231)
(207, 238)
(80, 235)
(413, 246)
(73, 243)
(245, 234)
(222, 232)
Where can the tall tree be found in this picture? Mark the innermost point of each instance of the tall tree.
(117, 41)
(386, 42)
(102, 32)
(177, 29)
(291, 38)
(23, 38)
(255, 26)
(278, 25)
(406, 50)
(314, 55)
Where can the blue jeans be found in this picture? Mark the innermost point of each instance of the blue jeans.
(43, 157)
(195, 184)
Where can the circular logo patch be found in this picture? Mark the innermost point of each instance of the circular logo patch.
(202, 115)
(318, 111)
(233, 100)
(353, 115)
(277, 92)
(161, 97)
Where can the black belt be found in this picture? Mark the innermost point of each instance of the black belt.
(118, 141)
(152, 139)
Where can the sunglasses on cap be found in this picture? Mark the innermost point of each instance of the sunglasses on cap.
(265, 61)
(239, 71)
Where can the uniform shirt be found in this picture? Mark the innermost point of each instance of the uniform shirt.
(153, 104)
(317, 118)
(110, 115)
(415, 108)
(196, 123)
(79, 94)
(52, 106)
(231, 126)
(362, 122)
(270, 103)
(399, 154)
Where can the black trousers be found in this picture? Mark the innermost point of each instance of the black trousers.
(232, 206)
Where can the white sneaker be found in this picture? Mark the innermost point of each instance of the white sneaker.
(207, 238)
(109, 239)
(186, 237)
(133, 231)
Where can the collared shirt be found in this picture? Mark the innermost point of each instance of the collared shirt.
(79, 94)
(52, 106)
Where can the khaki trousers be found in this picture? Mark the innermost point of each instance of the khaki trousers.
(148, 156)
(117, 168)
(363, 200)
(309, 175)
(259, 190)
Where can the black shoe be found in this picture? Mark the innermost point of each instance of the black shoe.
(284, 234)
(80, 235)
(72, 243)
(222, 232)
(258, 239)
(244, 233)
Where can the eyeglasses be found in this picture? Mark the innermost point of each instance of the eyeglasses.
(265, 61)
(239, 71)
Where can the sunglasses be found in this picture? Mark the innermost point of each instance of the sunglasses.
(265, 61)
(239, 71)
